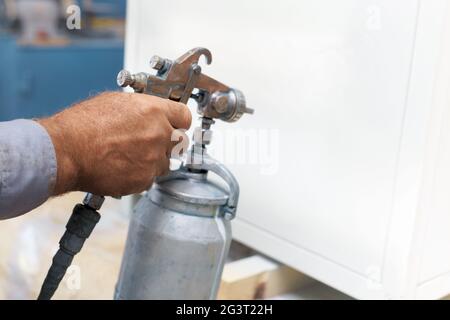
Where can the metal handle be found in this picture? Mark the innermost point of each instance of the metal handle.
(210, 164)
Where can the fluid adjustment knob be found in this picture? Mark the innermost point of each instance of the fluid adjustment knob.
(124, 78)
(136, 81)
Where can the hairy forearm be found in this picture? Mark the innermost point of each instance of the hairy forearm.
(115, 143)
(67, 168)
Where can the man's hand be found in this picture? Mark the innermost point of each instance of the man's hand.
(115, 143)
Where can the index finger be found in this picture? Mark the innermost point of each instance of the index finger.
(178, 114)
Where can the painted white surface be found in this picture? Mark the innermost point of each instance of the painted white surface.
(348, 87)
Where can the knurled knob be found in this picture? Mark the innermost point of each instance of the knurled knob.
(124, 78)
(157, 63)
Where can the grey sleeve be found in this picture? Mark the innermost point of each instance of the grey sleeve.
(27, 167)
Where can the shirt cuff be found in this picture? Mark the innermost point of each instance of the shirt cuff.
(27, 167)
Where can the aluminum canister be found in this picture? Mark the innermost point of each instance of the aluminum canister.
(178, 239)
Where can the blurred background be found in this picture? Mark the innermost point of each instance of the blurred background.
(45, 65)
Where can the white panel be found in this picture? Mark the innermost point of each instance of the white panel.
(330, 77)
(436, 257)
(434, 275)
(415, 152)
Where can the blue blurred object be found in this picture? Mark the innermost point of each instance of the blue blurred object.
(40, 80)
(110, 8)
(8, 78)
(42, 76)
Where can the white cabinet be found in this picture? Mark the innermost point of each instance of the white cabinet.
(345, 166)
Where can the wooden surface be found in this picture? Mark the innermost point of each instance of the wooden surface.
(258, 277)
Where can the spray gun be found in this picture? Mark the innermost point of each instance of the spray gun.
(185, 195)
(176, 80)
